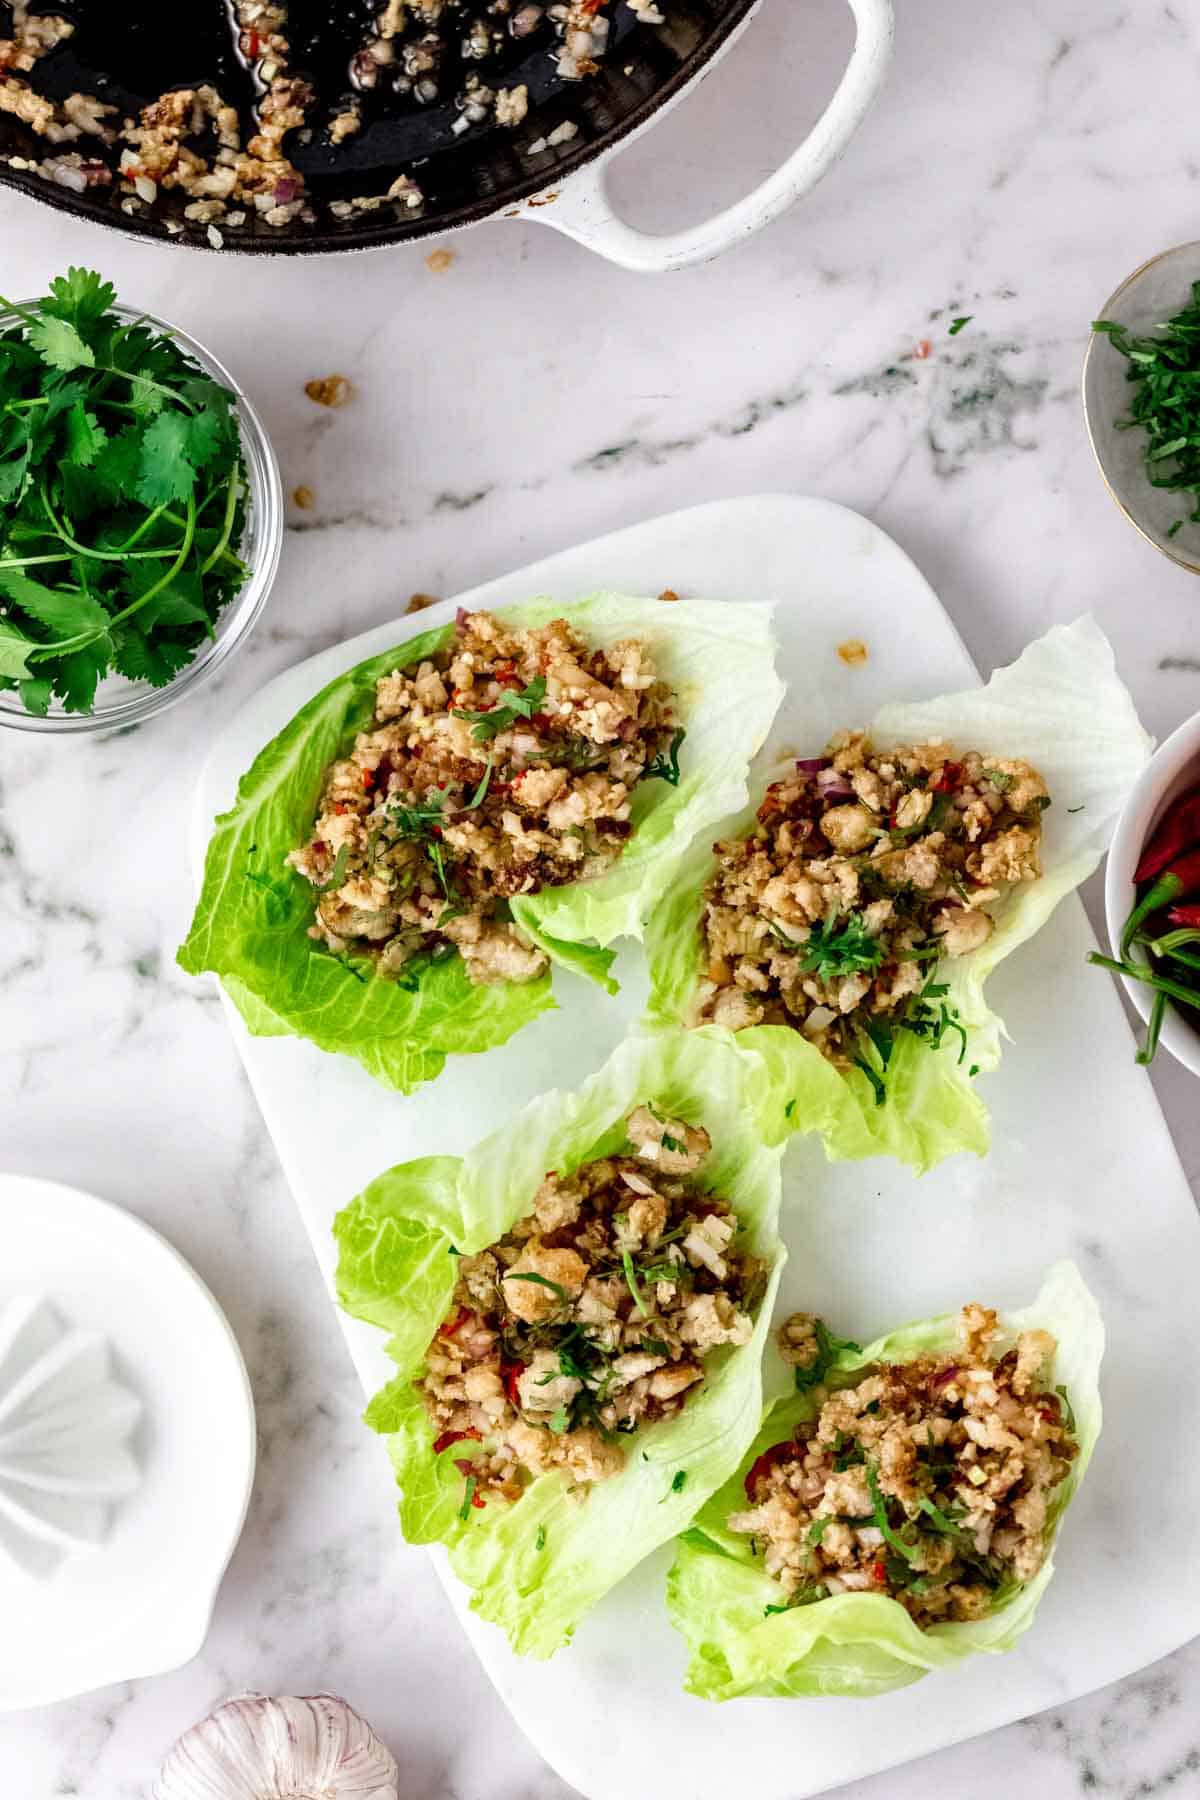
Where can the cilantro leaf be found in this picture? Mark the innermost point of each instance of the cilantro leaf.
(14, 652)
(164, 472)
(86, 437)
(60, 345)
(65, 612)
(829, 1348)
(506, 712)
(78, 674)
(841, 946)
(81, 297)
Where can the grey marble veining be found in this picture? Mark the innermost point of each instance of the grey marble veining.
(527, 398)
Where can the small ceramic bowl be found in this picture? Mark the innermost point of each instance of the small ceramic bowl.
(1173, 768)
(1142, 303)
(121, 703)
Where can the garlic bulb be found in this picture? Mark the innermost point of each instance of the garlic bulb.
(259, 1748)
(65, 1425)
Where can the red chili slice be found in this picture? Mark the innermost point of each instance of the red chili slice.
(510, 1375)
(880, 1573)
(453, 1326)
(368, 780)
(454, 1437)
(766, 1462)
(949, 781)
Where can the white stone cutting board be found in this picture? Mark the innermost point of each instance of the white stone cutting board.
(1082, 1166)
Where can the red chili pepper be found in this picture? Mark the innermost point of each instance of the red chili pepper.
(766, 1462)
(946, 1376)
(879, 1572)
(454, 1437)
(1176, 832)
(455, 1325)
(1187, 916)
(339, 807)
(368, 780)
(1175, 882)
(478, 1501)
(510, 1375)
(949, 781)
(923, 350)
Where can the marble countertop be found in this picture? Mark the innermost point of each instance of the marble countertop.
(525, 398)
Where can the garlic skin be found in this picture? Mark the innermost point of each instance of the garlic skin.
(260, 1748)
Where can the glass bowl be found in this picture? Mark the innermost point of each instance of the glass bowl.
(1142, 303)
(120, 702)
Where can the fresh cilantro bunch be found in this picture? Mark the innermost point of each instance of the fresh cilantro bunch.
(122, 499)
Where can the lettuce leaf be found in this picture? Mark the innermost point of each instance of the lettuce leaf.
(537, 1567)
(1062, 707)
(251, 922)
(863, 1644)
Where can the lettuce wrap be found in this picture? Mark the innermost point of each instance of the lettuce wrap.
(251, 922)
(1062, 707)
(536, 1566)
(861, 1644)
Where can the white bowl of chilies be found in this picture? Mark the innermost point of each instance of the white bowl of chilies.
(1152, 899)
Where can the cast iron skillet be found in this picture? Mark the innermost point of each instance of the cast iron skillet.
(463, 179)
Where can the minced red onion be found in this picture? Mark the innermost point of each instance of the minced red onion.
(811, 765)
(834, 785)
(285, 189)
(461, 616)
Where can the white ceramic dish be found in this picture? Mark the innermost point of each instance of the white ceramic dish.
(139, 1603)
(1082, 1166)
(1174, 767)
(581, 208)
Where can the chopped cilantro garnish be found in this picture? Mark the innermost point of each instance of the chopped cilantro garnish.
(879, 1513)
(829, 1348)
(666, 768)
(940, 1519)
(789, 1109)
(560, 1293)
(957, 325)
(560, 1421)
(841, 946)
(506, 712)
(539, 1542)
(1068, 1410)
(680, 1482)
(874, 1078)
(468, 1499)
(671, 1143)
(631, 1278)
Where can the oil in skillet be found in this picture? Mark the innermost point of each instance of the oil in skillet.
(128, 52)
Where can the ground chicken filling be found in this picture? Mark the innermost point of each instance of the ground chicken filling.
(229, 159)
(504, 764)
(929, 1481)
(865, 868)
(593, 1316)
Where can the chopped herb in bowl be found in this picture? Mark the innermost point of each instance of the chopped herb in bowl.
(124, 499)
(1164, 370)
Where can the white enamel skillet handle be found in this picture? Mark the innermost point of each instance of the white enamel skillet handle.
(580, 205)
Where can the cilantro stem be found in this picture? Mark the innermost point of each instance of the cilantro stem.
(219, 548)
(163, 581)
(131, 375)
(83, 549)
